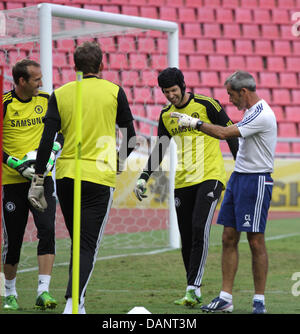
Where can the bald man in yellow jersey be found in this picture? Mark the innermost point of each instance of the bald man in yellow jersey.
(24, 109)
(104, 105)
(200, 173)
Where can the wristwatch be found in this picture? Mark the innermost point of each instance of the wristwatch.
(198, 125)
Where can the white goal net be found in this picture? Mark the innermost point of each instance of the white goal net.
(133, 56)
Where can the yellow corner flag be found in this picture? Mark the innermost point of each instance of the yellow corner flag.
(77, 196)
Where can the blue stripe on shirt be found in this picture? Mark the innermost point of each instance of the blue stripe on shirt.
(250, 118)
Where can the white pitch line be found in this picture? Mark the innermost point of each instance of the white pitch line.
(277, 237)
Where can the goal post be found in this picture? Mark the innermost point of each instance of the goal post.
(46, 26)
(47, 11)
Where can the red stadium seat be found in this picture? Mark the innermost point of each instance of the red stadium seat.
(251, 31)
(254, 63)
(138, 61)
(243, 47)
(192, 29)
(282, 147)
(267, 4)
(221, 95)
(206, 14)
(236, 63)
(282, 48)
(209, 79)
(293, 64)
(280, 16)
(159, 62)
(187, 14)
(191, 78)
(231, 3)
(149, 11)
(186, 46)
(278, 111)
(197, 62)
(275, 64)
(224, 15)
(296, 96)
(217, 63)
(243, 15)
(292, 114)
(287, 130)
(232, 30)
(167, 13)
(138, 110)
(264, 93)
(234, 114)
(149, 78)
(126, 44)
(268, 80)
(224, 46)
(130, 78)
(205, 46)
(249, 3)
(270, 31)
(112, 75)
(296, 147)
(262, 16)
(263, 47)
(118, 61)
(288, 80)
(211, 30)
(153, 112)
(281, 96)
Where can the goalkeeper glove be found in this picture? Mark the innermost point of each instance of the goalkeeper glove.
(36, 193)
(55, 149)
(140, 189)
(185, 120)
(23, 166)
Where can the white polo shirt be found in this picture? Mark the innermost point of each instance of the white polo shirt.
(258, 139)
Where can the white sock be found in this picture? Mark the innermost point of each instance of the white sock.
(43, 283)
(226, 296)
(196, 288)
(10, 287)
(259, 297)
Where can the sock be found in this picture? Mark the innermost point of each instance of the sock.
(10, 287)
(43, 283)
(196, 288)
(226, 296)
(260, 298)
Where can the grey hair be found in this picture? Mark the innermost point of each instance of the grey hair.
(241, 79)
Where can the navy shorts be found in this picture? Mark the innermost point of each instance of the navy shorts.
(246, 202)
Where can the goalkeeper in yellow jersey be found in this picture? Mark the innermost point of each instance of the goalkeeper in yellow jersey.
(104, 105)
(24, 109)
(200, 173)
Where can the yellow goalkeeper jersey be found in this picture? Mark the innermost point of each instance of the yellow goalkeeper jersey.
(101, 106)
(22, 129)
(199, 157)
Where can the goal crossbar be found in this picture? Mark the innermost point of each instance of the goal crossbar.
(47, 11)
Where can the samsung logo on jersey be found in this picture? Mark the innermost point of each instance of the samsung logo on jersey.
(180, 130)
(26, 122)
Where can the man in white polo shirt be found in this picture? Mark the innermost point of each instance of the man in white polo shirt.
(249, 190)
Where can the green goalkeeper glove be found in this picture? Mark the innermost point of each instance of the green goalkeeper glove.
(140, 189)
(36, 195)
(23, 166)
(55, 149)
